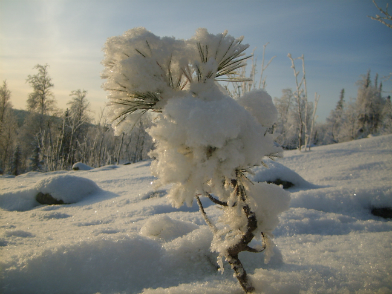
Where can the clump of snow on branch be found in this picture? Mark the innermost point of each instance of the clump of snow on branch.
(259, 104)
(201, 142)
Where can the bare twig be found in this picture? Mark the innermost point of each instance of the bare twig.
(383, 19)
(216, 201)
(262, 81)
(203, 213)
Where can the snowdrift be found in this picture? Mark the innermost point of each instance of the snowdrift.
(278, 172)
(67, 188)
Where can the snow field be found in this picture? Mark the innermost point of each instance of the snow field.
(122, 236)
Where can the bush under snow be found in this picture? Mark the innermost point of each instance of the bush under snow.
(205, 140)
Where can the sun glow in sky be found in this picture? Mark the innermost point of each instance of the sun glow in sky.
(338, 39)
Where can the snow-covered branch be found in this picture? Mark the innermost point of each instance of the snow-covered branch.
(386, 19)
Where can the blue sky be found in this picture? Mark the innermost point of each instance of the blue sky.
(339, 42)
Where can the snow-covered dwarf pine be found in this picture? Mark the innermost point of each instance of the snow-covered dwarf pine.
(206, 141)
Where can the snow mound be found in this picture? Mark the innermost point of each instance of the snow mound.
(165, 228)
(69, 189)
(277, 171)
(106, 167)
(81, 166)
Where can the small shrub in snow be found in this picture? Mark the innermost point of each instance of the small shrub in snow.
(165, 228)
(205, 140)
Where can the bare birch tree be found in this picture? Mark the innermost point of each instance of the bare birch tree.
(301, 99)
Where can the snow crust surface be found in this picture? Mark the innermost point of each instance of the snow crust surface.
(122, 236)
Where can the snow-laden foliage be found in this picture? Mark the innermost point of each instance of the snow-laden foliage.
(143, 71)
(259, 104)
(205, 140)
(201, 142)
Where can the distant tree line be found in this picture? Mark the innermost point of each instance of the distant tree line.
(51, 139)
(370, 113)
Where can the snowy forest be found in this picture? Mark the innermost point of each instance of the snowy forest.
(45, 138)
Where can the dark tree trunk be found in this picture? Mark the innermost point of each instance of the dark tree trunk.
(240, 273)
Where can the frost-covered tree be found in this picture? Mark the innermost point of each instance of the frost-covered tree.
(79, 107)
(8, 127)
(369, 105)
(350, 124)
(35, 161)
(76, 120)
(206, 142)
(386, 19)
(335, 120)
(5, 96)
(305, 111)
(288, 126)
(387, 117)
(135, 145)
(41, 100)
(16, 162)
(8, 137)
(285, 126)
(39, 126)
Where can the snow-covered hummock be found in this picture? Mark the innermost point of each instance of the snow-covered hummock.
(65, 187)
(277, 171)
(81, 166)
(110, 242)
